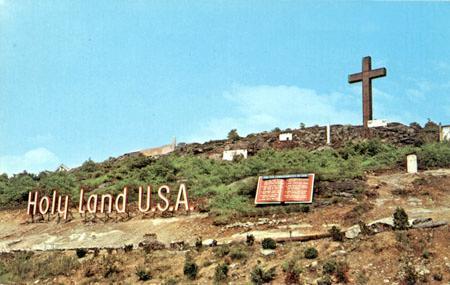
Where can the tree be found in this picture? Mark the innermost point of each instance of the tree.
(233, 135)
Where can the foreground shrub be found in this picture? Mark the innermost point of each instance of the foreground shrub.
(222, 251)
(81, 252)
(190, 268)
(400, 219)
(250, 240)
(269, 243)
(311, 253)
(221, 273)
(143, 274)
(336, 234)
(260, 276)
(237, 253)
(329, 266)
(292, 272)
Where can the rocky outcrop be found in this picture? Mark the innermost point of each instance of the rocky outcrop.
(313, 138)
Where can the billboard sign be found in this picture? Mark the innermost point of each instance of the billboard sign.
(294, 188)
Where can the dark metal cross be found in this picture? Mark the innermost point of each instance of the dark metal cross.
(366, 77)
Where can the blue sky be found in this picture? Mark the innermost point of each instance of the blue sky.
(94, 79)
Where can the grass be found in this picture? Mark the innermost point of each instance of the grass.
(229, 187)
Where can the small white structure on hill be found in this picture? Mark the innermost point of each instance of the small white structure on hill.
(230, 154)
(411, 163)
(285, 137)
(377, 123)
(62, 168)
(444, 134)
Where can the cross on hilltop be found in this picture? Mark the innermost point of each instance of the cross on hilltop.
(366, 76)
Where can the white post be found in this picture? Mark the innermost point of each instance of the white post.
(328, 134)
(411, 163)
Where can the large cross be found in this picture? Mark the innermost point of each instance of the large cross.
(366, 77)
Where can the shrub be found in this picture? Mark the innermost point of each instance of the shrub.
(110, 267)
(143, 274)
(233, 135)
(342, 272)
(237, 253)
(400, 219)
(222, 251)
(269, 243)
(81, 252)
(128, 248)
(190, 268)
(260, 276)
(336, 234)
(437, 276)
(292, 272)
(329, 266)
(250, 240)
(221, 273)
(305, 209)
(311, 253)
(198, 243)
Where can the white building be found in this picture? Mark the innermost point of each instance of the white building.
(377, 123)
(285, 137)
(230, 154)
(445, 133)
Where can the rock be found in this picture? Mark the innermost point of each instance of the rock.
(267, 252)
(339, 253)
(421, 221)
(210, 242)
(353, 232)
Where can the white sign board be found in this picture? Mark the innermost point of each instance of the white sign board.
(230, 154)
(286, 137)
(445, 133)
(411, 163)
(377, 123)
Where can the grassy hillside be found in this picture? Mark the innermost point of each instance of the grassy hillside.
(228, 186)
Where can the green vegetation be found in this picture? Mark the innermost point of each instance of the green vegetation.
(336, 234)
(311, 253)
(143, 273)
(260, 276)
(400, 219)
(190, 268)
(269, 243)
(227, 187)
(221, 273)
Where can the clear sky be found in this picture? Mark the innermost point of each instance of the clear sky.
(94, 79)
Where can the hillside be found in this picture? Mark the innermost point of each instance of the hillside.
(360, 183)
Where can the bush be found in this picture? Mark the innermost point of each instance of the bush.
(336, 234)
(221, 273)
(269, 243)
(342, 272)
(81, 252)
(292, 272)
(329, 267)
(190, 269)
(198, 243)
(250, 240)
(143, 274)
(237, 253)
(222, 251)
(311, 253)
(400, 219)
(128, 248)
(233, 135)
(260, 276)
